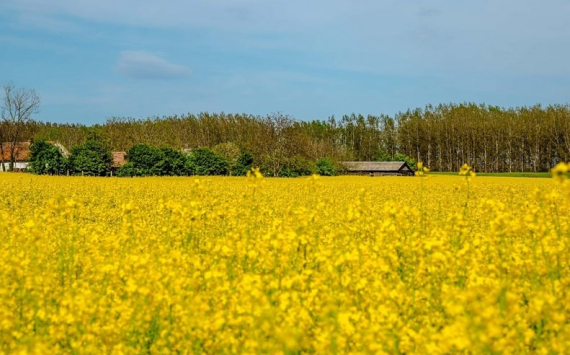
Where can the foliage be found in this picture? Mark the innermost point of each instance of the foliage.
(444, 137)
(45, 158)
(128, 170)
(91, 158)
(402, 157)
(172, 163)
(381, 155)
(99, 134)
(326, 167)
(231, 154)
(243, 164)
(144, 160)
(204, 161)
(297, 166)
(346, 265)
(18, 106)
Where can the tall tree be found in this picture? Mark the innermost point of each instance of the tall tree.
(18, 106)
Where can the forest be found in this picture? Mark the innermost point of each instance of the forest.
(443, 137)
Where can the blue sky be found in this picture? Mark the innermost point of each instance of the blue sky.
(92, 60)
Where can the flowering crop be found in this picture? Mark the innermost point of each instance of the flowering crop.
(346, 265)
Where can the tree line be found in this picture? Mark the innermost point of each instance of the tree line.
(92, 158)
(491, 139)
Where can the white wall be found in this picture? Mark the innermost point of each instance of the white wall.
(17, 165)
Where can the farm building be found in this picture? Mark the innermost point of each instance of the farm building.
(378, 168)
(21, 153)
(119, 159)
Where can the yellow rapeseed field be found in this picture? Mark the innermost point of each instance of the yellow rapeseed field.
(342, 265)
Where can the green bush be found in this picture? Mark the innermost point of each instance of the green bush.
(172, 163)
(204, 161)
(128, 170)
(91, 158)
(144, 160)
(46, 158)
(326, 167)
(402, 157)
(297, 166)
(243, 165)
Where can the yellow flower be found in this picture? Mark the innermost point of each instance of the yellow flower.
(232, 265)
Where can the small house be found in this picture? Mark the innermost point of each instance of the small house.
(21, 156)
(378, 168)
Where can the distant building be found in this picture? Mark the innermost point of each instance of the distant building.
(378, 168)
(119, 159)
(21, 155)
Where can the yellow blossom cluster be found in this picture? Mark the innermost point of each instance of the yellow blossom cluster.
(342, 265)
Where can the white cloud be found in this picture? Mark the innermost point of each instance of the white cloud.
(144, 65)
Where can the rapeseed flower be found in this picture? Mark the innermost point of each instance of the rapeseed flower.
(251, 265)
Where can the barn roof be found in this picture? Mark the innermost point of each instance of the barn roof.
(22, 151)
(380, 166)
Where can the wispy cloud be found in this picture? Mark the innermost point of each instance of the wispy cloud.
(144, 65)
(308, 58)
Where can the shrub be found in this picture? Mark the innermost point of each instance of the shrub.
(171, 163)
(402, 157)
(128, 170)
(243, 165)
(90, 158)
(326, 167)
(297, 166)
(144, 159)
(204, 161)
(45, 158)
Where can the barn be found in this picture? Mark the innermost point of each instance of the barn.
(378, 168)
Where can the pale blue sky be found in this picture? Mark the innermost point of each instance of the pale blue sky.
(91, 60)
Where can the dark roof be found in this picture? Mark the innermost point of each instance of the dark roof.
(380, 166)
